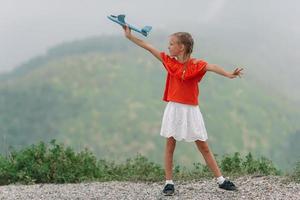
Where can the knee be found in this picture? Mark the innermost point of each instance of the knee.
(170, 147)
(205, 150)
(203, 147)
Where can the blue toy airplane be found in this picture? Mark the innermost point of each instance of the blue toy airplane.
(120, 19)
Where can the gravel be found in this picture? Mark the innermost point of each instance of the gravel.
(268, 187)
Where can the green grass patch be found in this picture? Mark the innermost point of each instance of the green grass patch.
(235, 165)
(55, 163)
(295, 174)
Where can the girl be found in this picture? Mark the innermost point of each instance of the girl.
(182, 118)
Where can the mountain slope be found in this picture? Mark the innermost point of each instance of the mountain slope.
(107, 96)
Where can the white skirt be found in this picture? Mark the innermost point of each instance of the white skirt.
(183, 122)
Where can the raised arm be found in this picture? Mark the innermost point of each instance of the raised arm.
(219, 70)
(141, 43)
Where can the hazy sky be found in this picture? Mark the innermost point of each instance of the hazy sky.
(29, 27)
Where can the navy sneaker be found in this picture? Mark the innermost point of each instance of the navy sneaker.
(169, 190)
(227, 185)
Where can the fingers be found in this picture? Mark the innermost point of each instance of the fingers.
(127, 30)
(125, 27)
(238, 72)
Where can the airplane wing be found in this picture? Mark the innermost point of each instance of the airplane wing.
(120, 19)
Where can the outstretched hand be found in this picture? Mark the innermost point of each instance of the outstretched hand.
(237, 72)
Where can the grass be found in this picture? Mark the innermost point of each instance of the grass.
(295, 174)
(55, 163)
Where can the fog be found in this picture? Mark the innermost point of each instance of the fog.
(263, 35)
(28, 28)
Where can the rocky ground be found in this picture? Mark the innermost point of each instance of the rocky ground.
(268, 187)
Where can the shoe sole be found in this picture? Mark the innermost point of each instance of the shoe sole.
(169, 194)
(235, 189)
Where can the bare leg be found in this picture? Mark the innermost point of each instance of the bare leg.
(208, 157)
(170, 146)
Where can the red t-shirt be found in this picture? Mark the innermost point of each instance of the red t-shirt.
(182, 84)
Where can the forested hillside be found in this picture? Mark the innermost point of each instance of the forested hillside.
(105, 94)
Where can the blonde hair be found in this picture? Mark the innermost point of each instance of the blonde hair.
(187, 40)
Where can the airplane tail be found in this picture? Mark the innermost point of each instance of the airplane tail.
(146, 29)
(121, 18)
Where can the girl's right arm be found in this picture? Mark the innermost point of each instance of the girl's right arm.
(141, 43)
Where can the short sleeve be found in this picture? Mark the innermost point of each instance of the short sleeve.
(195, 70)
(170, 63)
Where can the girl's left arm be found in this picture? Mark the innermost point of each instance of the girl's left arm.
(219, 70)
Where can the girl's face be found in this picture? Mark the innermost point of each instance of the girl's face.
(175, 48)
